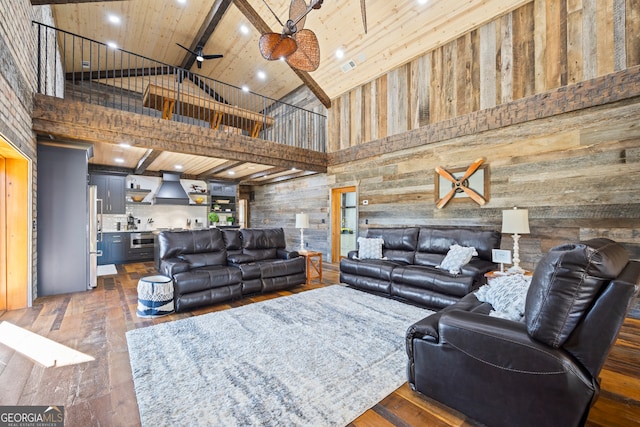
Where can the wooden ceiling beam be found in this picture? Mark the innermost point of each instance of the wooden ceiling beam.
(206, 30)
(145, 161)
(256, 20)
(298, 174)
(52, 2)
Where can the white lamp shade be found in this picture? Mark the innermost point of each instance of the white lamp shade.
(515, 221)
(302, 220)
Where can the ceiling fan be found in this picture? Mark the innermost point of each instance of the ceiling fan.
(200, 57)
(297, 46)
(461, 184)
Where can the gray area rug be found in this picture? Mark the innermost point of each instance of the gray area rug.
(317, 358)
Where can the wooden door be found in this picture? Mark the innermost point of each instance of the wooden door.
(15, 216)
(337, 220)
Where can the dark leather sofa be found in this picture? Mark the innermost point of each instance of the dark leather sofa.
(540, 372)
(210, 266)
(411, 254)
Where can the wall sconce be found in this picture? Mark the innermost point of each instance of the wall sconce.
(516, 222)
(302, 222)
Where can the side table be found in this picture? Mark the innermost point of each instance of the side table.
(314, 265)
(496, 273)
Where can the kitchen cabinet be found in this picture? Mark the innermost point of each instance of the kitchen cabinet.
(139, 254)
(114, 248)
(110, 191)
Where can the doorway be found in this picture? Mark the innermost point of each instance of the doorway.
(15, 237)
(344, 222)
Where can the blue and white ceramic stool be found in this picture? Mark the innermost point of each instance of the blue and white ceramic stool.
(155, 296)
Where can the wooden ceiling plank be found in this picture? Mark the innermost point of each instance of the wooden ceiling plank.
(204, 33)
(262, 27)
(146, 160)
(230, 164)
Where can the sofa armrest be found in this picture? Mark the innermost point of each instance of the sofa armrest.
(170, 267)
(352, 254)
(504, 345)
(284, 254)
(240, 258)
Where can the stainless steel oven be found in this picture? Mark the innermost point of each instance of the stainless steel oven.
(141, 240)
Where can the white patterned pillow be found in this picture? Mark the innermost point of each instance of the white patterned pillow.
(370, 248)
(507, 295)
(457, 257)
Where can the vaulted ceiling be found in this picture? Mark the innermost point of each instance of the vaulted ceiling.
(397, 31)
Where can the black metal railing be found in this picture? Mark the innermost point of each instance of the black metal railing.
(75, 67)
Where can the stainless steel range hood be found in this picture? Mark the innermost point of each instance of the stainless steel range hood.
(171, 191)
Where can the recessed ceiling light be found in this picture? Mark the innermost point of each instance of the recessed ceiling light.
(294, 169)
(262, 75)
(231, 173)
(112, 45)
(244, 29)
(245, 88)
(114, 19)
(118, 160)
(339, 53)
(178, 167)
(182, 1)
(423, 1)
(124, 145)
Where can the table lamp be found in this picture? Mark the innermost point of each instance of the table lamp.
(302, 222)
(516, 222)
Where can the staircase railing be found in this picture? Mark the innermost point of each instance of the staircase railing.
(75, 67)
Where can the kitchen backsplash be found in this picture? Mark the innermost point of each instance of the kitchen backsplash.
(162, 216)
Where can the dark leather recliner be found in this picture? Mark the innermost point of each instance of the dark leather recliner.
(197, 263)
(212, 265)
(543, 371)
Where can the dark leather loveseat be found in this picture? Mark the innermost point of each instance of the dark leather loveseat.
(408, 267)
(210, 266)
(539, 372)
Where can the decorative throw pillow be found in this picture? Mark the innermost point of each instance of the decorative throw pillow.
(370, 248)
(457, 257)
(507, 295)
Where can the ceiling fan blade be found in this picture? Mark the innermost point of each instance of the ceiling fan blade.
(442, 202)
(188, 50)
(298, 9)
(363, 9)
(471, 169)
(446, 175)
(307, 56)
(274, 46)
(474, 195)
(212, 56)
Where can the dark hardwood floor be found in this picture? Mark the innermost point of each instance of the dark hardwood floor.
(100, 393)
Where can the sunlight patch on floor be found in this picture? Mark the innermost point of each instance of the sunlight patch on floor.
(38, 348)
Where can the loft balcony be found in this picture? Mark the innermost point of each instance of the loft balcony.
(90, 92)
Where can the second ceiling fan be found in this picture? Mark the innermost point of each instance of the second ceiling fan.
(200, 57)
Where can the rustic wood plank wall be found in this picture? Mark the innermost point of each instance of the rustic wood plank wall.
(576, 173)
(541, 46)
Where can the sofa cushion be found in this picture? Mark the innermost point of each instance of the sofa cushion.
(205, 259)
(399, 243)
(232, 239)
(263, 238)
(565, 283)
(260, 254)
(377, 269)
(370, 247)
(456, 258)
(174, 243)
(439, 239)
